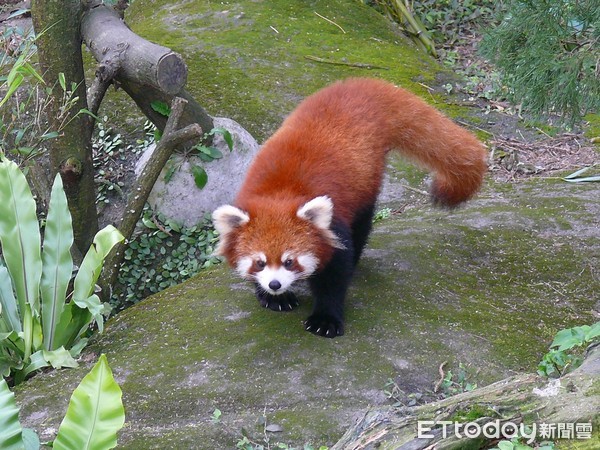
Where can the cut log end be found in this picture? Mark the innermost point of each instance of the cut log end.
(171, 73)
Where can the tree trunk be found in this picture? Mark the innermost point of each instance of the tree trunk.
(527, 399)
(56, 23)
(172, 137)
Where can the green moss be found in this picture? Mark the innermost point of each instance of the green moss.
(592, 130)
(472, 413)
(248, 61)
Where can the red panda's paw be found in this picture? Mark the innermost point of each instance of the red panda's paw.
(324, 325)
(282, 302)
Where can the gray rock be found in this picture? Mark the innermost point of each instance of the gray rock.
(180, 199)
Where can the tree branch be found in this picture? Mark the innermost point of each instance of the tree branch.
(172, 138)
(146, 71)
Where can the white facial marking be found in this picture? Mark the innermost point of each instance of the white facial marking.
(283, 276)
(243, 266)
(309, 263)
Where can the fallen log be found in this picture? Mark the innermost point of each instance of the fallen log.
(480, 418)
(148, 72)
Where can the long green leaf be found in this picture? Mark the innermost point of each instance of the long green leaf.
(11, 437)
(583, 179)
(91, 266)
(57, 359)
(95, 412)
(8, 302)
(57, 262)
(96, 308)
(74, 321)
(20, 235)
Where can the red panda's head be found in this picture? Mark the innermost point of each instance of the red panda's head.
(276, 243)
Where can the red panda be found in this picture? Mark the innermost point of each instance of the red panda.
(306, 206)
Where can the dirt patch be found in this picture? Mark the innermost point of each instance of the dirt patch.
(513, 159)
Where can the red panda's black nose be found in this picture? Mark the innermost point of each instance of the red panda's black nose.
(274, 285)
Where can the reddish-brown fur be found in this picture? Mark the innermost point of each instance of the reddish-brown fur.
(335, 144)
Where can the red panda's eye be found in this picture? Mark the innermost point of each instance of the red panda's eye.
(288, 263)
(261, 264)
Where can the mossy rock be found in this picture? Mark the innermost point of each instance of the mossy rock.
(247, 60)
(487, 285)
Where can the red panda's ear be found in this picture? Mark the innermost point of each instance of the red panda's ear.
(319, 212)
(227, 218)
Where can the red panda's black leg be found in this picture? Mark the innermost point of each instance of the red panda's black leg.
(329, 286)
(282, 302)
(361, 227)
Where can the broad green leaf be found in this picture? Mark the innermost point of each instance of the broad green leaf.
(74, 321)
(36, 362)
(20, 235)
(28, 69)
(226, 136)
(62, 81)
(8, 302)
(91, 266)
(59, 358)
(30, 439)
(10, 428)
(13, 85)
(18, 12)
(76, 349)
(95, 413)
(57, 262)
(161, 107)
(50, 135)
(593, 332)
(569, 338)
(213, 152)
(12, 341)
(95, 307)
(200, 176)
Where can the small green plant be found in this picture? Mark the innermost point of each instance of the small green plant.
(455, 383)
(394, 393)
(163, 254)
(23, 131)
(382, 214)
(44, 318)
(94, 416)
(203, 152)
(216, 416)
(264, 442)
(516, 444)
(566, 348)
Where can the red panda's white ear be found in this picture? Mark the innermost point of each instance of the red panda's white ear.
(227, 218)
(319, 212)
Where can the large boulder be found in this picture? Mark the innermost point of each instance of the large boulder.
(178, 197)
(486, 286)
